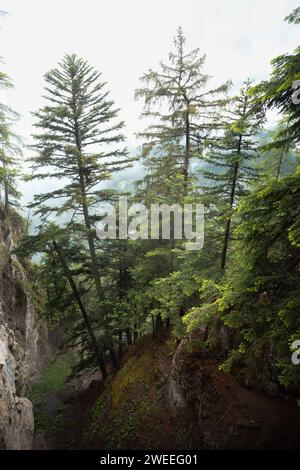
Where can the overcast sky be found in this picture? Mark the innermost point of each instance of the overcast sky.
(123, 38)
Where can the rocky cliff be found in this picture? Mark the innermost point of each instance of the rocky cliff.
(165, 395)
(169, 396)
(19, 342)
(227, 414)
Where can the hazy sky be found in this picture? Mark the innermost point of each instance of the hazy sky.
(123, 38)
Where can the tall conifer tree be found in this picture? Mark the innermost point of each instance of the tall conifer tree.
(9, 150)
(231, 159)
(80, 144)
(178, 99)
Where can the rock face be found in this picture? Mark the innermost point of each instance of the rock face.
(227, 415)
(16, 418)
(19, 345)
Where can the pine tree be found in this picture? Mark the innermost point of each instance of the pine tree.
(231, 159)
(282, 91)
(260, 298)
(183, 108)
(9, 151)
(294, 17)
(279, 159)
(64, 303)
(80, 146)
(177, 97)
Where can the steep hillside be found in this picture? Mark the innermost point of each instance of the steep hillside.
(171, 396)
(20, 348)
(168, 397)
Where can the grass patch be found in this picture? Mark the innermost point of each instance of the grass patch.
(53, 380)
(129, 412)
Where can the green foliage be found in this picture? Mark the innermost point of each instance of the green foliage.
(278, 160)
(79, 144)
(248, 180)
(258, 299)
(50, 384)
(206, 313)
(294, 17)
(9, 151)
(230, 162)
(78, 117)
(183, 109)
(277, 92)
(130, 412)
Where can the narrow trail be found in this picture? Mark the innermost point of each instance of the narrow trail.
(61, 404)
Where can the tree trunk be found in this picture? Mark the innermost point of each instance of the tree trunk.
(225, 244)
(86, 319)
(158, 322)
(6, 200)
(187, 148)
(82, 182)
(135, 333)
(280, 163)
(95, 269)
(90, 236)
(6, 196)
(120, 352)
(112, 354)
(128, 336)
(232, 197)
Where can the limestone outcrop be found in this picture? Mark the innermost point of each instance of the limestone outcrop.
(19, 344)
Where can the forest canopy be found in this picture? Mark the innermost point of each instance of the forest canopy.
(202, 144)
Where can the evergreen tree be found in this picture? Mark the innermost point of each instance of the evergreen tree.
(257, 300)
(294, 17)
(282, 91)
(281, 160)
(260, 301)
(64, 303)
(177, 97)
(231, 159)
(183, 108)
(80, 146)
(9, 151)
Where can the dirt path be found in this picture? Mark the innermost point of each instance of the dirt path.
(62, 404)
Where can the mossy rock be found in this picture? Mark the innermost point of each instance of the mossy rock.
(131, 413)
